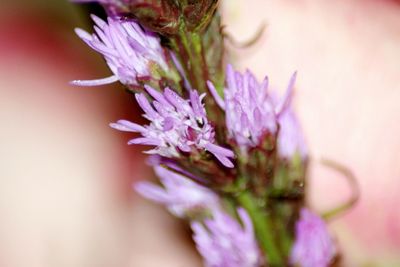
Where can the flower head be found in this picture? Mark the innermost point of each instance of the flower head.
(223, 242)
(313, 246)
(179, 194)
(250, 110)
(129, 50)
(176, 126)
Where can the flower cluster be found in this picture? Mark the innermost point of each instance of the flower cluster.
(177, 126)
(251, 110)
(130, 51)
(225, 162)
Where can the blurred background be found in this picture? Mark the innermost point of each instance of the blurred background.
(65, 176)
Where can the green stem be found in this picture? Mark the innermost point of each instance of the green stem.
(263, 228)
(189, 48)
(284, 212)
(195, 66)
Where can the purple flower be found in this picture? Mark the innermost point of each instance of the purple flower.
(179, 194)
(290, 137)
(249, 107)
(313, 246)
(176, 126)
(223, 242)
(130, 51)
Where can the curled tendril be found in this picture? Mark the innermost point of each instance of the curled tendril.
(248, 43)
(353, 183)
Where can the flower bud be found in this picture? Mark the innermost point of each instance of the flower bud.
(198, 14)
(166, 16)
(160, 16)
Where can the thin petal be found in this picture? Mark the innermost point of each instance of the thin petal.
(127, 126)
(285, 103)
(224, 160)
(84, 35)
(220, 150)
(195, 101)
(145, 141)
(218, 99)
(157, 95)
(96, 82)
(145, 105)
(151, 191)
(173, 98)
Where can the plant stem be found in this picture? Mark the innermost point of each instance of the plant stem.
(190, 49)
(190, 52)
(263, 228)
